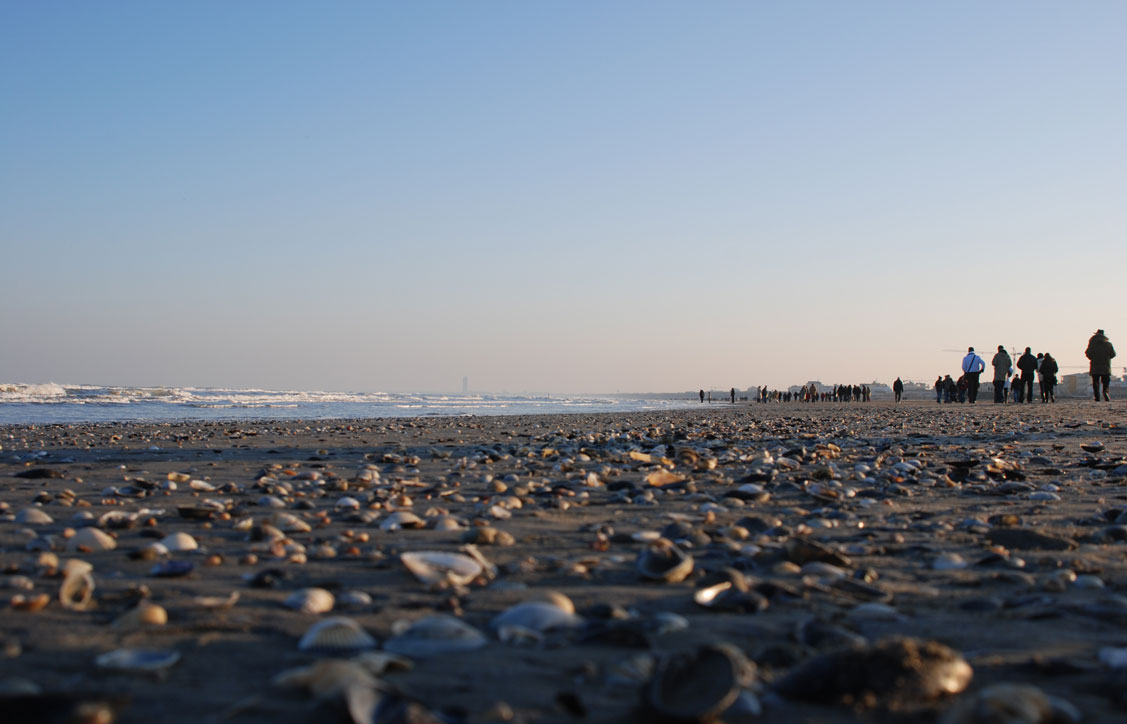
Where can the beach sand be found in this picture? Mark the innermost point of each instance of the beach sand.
(995, 530)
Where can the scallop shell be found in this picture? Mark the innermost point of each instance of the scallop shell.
(90, 539)
(538, 616)
(178, 542)
(437, 567)
(33, 516)
(698, 686)
(311, 600)
(137, 660)
(438, 634)
(338, 634)
(661, 560)
(145, 613)
(77, 590)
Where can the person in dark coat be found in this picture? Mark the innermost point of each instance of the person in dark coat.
(898, 388)
(1100, 352)
(1002, 368)
(1049, 369)
(1027, 363)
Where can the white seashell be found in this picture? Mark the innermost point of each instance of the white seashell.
(178, 542)
(217, 602)
(289, 523)
(76, 565)
(436, 567)
(347, 503)
(338, 634)
(402, 519)
(271, 501)
(327, 678)
(137, 660)
(438, 634)
(179, 478)
(90, 539)
(201, 485)
(311, 600)
(557, 599)
(645, 536)
(949, 562)
(354, 599)
(77, 590)
(537, 616)
(33, 516)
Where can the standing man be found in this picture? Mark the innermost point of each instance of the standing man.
(1002, 365)
(1100, 353)
(1027, 363)
(732, 394)
(972, 368)
(898, 389)
(702, 397)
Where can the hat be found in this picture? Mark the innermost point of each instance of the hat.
(1099, 331)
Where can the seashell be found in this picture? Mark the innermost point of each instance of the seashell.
(216, 602)
(200, 485)
(117, 520)
(518, 636)
(488, 535)
(895, 670)
(439, 568)
(310, 600)
(447, 522)
(77, 590)
(1008, 703)
(663, 477)
(402, 519)
(726, 596)
(30, 604)
(327, 678)
(145, 613)
(179, 542)
(354, 599)
(661, 560)
(949, 562)
(90, 539)
(645, 536)
(22, 583)
(437, 634)
(271, 501)
(347, 502)
(47, 563)
(75, 565)
(538, 616)
(289, 523)
(698, 686)
(33, 516)
(336, 634)
(137, 660)
(379, 662)
(179, 478)
(556, 599)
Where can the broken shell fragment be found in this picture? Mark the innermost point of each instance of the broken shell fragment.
(661, 560)
(77, 590)
(145, 613)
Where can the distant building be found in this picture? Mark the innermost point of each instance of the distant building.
(1080, 385)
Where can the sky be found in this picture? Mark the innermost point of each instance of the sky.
(555, 196)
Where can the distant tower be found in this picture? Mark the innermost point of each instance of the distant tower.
(465, 384)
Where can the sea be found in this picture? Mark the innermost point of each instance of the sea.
(51, 403)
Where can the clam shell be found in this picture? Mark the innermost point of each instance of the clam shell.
(556, 599)
(311, 600)
(402, 519)
(698, 686)
(327, 678)
(216, 602)
(76, 565)
(33, 516)
(289, 523)
(145, 613)
(436, 634)
(179, 542)
(437, 567)
(90, 539)
(537, 616)
(137, 660)
(661, 560)
(77, 590)
(338, 634)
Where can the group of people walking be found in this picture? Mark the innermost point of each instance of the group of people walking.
(1042, 368)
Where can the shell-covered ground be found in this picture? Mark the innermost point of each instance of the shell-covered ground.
(780, 563)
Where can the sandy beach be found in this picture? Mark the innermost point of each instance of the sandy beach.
(995, 531)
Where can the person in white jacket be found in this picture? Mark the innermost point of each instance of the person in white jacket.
(972, 368)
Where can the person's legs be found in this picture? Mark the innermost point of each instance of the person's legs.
(1106, 380)
(1029, 390)
(1096, 387)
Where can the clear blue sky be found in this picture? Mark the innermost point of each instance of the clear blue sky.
(555, 196)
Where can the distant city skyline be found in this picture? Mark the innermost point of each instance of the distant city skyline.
(577, 197)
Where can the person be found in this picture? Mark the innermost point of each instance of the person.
(702, 397)
(732, 394)
(1027, 363)
(898, 389)
(1041, 378)
(1049, 369)
(1016, 389)
(972, 368)
(1002, 364)
(950, 389)
(1099, 353)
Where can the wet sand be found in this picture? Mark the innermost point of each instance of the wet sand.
(998, 531)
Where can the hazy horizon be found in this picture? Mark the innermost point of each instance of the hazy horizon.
(555, 197)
